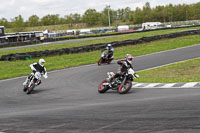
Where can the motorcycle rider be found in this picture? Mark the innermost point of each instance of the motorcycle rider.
(125, 64)
(110, 51)
(38, 69)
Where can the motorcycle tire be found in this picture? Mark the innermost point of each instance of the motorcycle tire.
(109, 61)
(25, 88)
(101, 88)
(123, 89)
(99, 62)
(30, 89)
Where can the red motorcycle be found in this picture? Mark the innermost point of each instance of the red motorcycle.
(104, 59)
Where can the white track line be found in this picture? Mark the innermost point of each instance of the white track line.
(151, 85)
(168, 85)
(138, 84)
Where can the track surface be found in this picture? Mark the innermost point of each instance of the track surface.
(68, 102)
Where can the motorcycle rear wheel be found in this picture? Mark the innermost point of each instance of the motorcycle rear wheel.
(102, 88)
(109, 61)
(123, 89)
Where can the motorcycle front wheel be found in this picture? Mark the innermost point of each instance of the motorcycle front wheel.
(102, 88)
(99, 62)
(123, 89)
(25, 87)
(30, 89)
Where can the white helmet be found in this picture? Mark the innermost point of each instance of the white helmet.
(41, 62)
(109, 45)
(129, 58)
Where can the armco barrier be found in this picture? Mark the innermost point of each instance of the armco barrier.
(22, 56)
(14, 44)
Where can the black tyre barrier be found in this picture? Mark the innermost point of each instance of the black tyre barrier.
(92, 47)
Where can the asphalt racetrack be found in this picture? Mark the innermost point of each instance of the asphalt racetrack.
(68, 102)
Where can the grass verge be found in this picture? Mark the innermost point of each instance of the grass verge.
(186, 71)
(21, 67)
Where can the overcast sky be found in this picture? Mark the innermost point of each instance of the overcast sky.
(12, 8)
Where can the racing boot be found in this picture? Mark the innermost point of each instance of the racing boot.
(25, 82)
(38, 82)
(27, 79)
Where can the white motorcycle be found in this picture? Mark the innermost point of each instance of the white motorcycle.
(32, 82)
(122, 84)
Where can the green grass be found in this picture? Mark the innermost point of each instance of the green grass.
(186, 71)
(21, 67)
(107, 40)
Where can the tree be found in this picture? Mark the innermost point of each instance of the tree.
(138, 16)
(197, 10)
(34, 20)
(18, 22)
(159, 13)
(4, 22)
(127, 12)
(104, 16)
(147, 12)
(50, 19)
(73, 18)
(69, 19)
(76, 18)
(91, 17)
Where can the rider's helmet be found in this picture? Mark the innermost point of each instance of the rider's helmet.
(129, 58)
(42, 62)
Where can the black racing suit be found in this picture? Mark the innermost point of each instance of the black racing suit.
(36, 67)
(110, 51)
(39, 68)
(124, 66)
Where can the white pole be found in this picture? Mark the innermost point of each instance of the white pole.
(108, 6)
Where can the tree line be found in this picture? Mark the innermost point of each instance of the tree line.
(92, 17)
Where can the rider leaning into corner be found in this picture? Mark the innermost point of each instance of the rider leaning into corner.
(110, 50)
(38, 70)
(125, 64)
